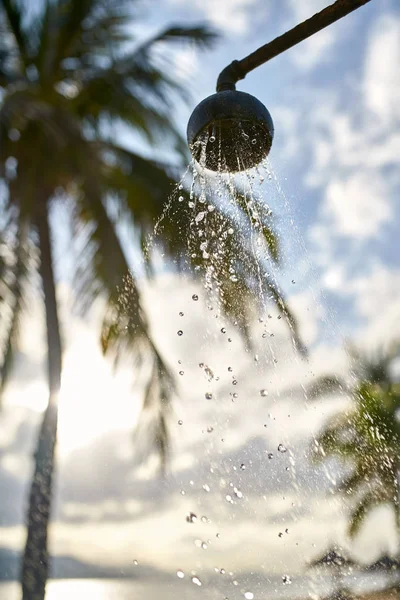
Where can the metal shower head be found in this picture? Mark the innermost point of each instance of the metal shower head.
(230, 131)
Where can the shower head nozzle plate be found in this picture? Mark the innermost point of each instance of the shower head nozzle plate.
(230, 131)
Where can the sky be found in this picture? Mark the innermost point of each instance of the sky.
(335, 102)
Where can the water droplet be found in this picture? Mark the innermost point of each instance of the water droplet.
(280, 534)
(208, 395)
(238, 493)
(196, 581)
(211, 139)
(191, 204)
(286, 580)
(293, 281)
(230, 369)
(204, 546)
(218, 535)
(180, 574)
(180, 198)
(282, 448)
(204, 519)
(264, 393)
(228, 498)
(222, 571)
(181, 372)
(135, 562)
(270, 455)
(181, 314)
(211, 208)
(195, 297)
(210, 429)
(230, 230)
(180, 332)
(200, 217)
(235, 395)
(242, 467)
(254, 141)
(223, 330)
(234, 382)
(180, 422)
(249, 595)
(191, 518)
(183, 493)
(206, 487)
(286, 530)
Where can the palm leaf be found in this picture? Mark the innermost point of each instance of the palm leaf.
(15, 297)
(368, 502)
(125, 329)
(202, 36)
(326, 385)
(14, 17)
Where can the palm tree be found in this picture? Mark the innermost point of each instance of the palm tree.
(340, 565)
(367, 436)
(68, 76)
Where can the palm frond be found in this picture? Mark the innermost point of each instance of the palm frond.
(14, 300)
(14, 17)
(125, 329)
(367, 503)
(289, 317)
(326, 385)
(201, 35)
(92, 25)
(110, 95)
(153, 422)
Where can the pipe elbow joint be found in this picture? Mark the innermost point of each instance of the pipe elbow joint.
(229, 76)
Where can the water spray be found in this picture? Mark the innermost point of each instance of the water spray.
(232, 131)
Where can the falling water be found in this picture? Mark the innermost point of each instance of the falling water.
(225, 232)
(228, 229)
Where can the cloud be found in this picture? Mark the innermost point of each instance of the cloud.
(232, 16)
(316, 50)
(358, 206)
(381, 77)
(376, 297)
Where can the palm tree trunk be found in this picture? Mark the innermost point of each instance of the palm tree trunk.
(35, 564)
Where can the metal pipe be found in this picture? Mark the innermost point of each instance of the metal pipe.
(238, 69)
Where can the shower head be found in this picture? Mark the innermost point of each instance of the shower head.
(230, 131)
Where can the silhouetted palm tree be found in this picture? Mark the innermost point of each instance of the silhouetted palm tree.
(367, 436)
(69, 74)
(340, 565)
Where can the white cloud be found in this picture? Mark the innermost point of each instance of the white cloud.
(381, 76)
(315, 50)
(306, 8)
(354, 148)
(310, 312)
(358, 206)
(377, 301)
(233, 16)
